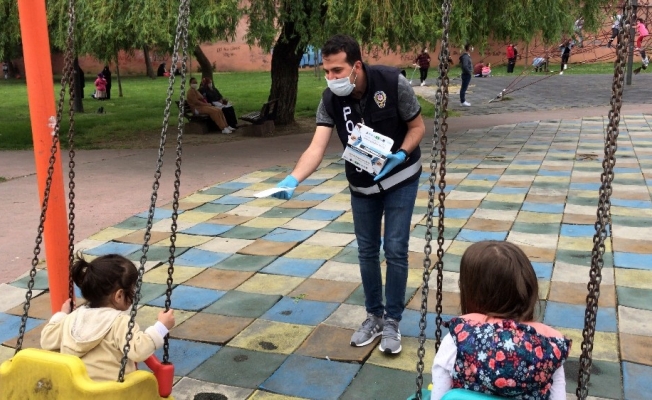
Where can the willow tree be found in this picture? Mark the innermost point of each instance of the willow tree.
(10, 46)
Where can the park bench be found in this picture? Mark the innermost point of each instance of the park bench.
(262, 122)
(197, 123)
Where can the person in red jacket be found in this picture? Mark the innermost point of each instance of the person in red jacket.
(511, 58)
(423, 61)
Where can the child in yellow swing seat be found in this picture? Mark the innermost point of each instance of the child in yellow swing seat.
(96, 332)
(497, 347)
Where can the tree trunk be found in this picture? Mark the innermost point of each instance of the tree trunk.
(285, 74)
(148, 62)
(117, 71)
(204, 63)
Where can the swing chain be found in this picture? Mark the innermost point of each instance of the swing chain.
(604, 208)
(184, 11)
(440, 124)
(71, 160)
(67, 72)
(177, 179)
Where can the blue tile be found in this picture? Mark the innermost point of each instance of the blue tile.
(543, 270)
(201, 258)
(577, 230)
(633, 260)
(483, 177)
(585, 186)
(526, 162)
(508, 190)
(572, 316)
(636, 380)
(631, 203)
(190, 298)
(321, 215)
(471, 235)
(207, 229)
(448, 188)
(233, 185)
(313, 196)
(409, 325)
(159, 213)
(312, 182)
(548, 172)
(311, 378)
(10, 326)
(185, 355)
(288, 235)
(124, 249)
(556, 208)
(302, 312)
(293, 267)
(232, 200)
(463, 213)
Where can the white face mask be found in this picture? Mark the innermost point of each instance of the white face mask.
(194, 86)
(342, 86)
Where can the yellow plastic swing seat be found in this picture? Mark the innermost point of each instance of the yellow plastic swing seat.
(35, 374)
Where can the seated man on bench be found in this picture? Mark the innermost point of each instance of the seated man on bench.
(199, 105)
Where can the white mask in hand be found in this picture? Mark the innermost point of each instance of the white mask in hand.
(341, 86)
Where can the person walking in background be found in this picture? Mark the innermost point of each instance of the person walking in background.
(107, 75)
(511, 58)
(423, 61)
(577, 28)
(467, 72)
(615, 28)
(5, 69)
(565, 54)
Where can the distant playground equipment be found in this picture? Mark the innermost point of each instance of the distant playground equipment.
(41, 374)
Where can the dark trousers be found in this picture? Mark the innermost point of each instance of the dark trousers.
(511, 62)
(424, 73)
(108, 92)
(229, 114)
(564, 60)
(466, 79)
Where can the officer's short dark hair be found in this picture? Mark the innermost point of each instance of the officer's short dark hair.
(345, 43)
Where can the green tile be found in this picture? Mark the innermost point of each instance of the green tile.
(347, 255)
(581, 257)
(474, 189)
(536, 228)
(636, 222)
(238, 367)
(215, 208)
(606, 378)
(550, 185)
(40, 281)
(634, 182)
(241, 262)
(374, 382)
(157, 253)
(246, 232)
(339, 227)
(422, 210)
(634, 297)
(582, 201)
(151, 291)
(357, 297)
(419, 231)
(339, 177)
(499, 205)
(132, 223)
(218, 191)
(279, 212)
(243, 304)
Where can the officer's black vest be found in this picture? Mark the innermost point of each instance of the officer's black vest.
(380, 113)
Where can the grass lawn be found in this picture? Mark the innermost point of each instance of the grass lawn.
(136, 118)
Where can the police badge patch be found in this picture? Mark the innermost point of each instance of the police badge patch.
(380, 97)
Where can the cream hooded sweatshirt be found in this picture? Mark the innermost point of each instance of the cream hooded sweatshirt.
(97, 336)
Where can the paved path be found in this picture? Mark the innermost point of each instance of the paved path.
(269, 292)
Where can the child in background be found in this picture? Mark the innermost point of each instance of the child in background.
(615, 28)
(496, 347)
(100, 87)
(96, 332)
(642, 34)
(486, 71)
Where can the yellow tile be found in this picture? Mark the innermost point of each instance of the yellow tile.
(148, 315)
(538, 218)
(506, 198)
(184, 240)
(266, 202)
(458, 247)
(313, 252)
(263, 222)
(258, 395)
(181, 274)
(579, 243)
(270, 284)
(406, 359)
(552, 179)
(336, 184)
(261, 174)
(195, 216)
(272, 337)
(201, 198)
(605, 345)
(346, 217)
(480, 183)
(305, 224)
(636, 278)
(631, 212)
(260, 186)
(110, 234)
(421, 202)
(248, 211)
(341, 197)
(6, 353)
(544, 289)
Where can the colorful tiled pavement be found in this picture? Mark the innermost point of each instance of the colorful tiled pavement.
(268, 291)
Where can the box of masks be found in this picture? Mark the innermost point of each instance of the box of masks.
(367, 149)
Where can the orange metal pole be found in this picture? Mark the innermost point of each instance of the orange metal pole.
(40, 93)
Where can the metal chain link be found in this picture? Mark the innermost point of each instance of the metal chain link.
(604, 207)
(71, 158)
(177, 183)
(440, 124)
(67, 72)
(182, 27)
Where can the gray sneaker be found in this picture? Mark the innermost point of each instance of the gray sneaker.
(371, 328)
(391, 342)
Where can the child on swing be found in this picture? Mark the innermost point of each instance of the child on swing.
(496, 347)
(96, 332)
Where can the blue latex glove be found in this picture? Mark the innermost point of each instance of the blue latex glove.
(393, 160)
(290, 183)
